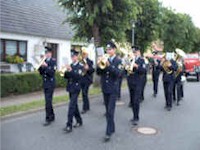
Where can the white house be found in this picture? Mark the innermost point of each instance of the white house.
(29, 25)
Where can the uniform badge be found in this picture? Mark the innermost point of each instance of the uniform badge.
(79, 71)
(55, 67)
(120, 66)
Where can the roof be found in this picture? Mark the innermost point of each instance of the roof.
(34, 17)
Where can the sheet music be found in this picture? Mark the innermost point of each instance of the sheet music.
(100, 51)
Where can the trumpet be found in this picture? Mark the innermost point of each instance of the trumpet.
(129, 65)
(102, 63)
(40, 63)
(129, 59)
(62, 71)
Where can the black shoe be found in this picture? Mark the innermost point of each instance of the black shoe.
(169, 108)
(129, 105)
(131, 120)
(67, 129)
(154, 95)
(141, 100)
(135, 122)
(107, 138)
(83, 111)
(177, 103)
(47, 123)
(78, 125)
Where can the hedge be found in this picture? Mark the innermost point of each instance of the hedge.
(14, 84)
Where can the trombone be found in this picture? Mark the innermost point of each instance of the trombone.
(40, 63)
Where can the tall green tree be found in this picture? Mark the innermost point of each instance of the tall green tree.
(177, 31)
(101, 19)
(146, 23)
(196, 47)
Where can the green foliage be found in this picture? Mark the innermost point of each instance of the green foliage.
(14, 59)
(111, 19)
(196, 41)
(24, 83)
(103, 20)
(178, 31)
(146, 23)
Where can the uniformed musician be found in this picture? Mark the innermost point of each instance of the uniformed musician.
(73, 74)
(120, 79)
(144, 80)
(87, 79)
(178, 90)
(168, 81)
(135, 84)
(47, 70)
(156, 68)
(109, 82)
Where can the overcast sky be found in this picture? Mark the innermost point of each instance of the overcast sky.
(191, 7)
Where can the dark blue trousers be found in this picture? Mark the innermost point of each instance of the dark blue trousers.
(155, 83)
(119, 87)
(86, 103)
(109, 100)
(182, 92)
(144, 81)
(73, 110)
(48, 92)
(177, 91)
(135, 95)
(168, 90)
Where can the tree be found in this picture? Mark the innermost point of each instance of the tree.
(147, 23)
(196, 41)
(177, 31)
(101, 19)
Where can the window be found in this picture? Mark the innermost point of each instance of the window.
(1, 46)
(13, 47)
(22, 49)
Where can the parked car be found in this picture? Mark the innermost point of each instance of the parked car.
(192, 65)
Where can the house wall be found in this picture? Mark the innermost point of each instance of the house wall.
(63, 53)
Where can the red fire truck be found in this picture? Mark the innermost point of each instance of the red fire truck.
(192, 65)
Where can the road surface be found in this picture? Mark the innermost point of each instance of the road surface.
(178, 129)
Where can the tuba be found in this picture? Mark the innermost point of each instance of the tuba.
(165, 65)
(179, 54)
(81, 58)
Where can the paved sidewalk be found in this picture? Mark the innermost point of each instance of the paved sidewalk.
(30, 97)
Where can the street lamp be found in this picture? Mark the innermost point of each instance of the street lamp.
(133, 33)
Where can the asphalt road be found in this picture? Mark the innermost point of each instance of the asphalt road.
(178, 129)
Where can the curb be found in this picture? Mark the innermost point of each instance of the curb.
(31, 111)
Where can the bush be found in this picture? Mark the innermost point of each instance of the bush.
(13, 84)
(14, 59)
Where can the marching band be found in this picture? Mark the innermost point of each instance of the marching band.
(111, 70)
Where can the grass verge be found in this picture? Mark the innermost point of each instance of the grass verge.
(40, 103)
